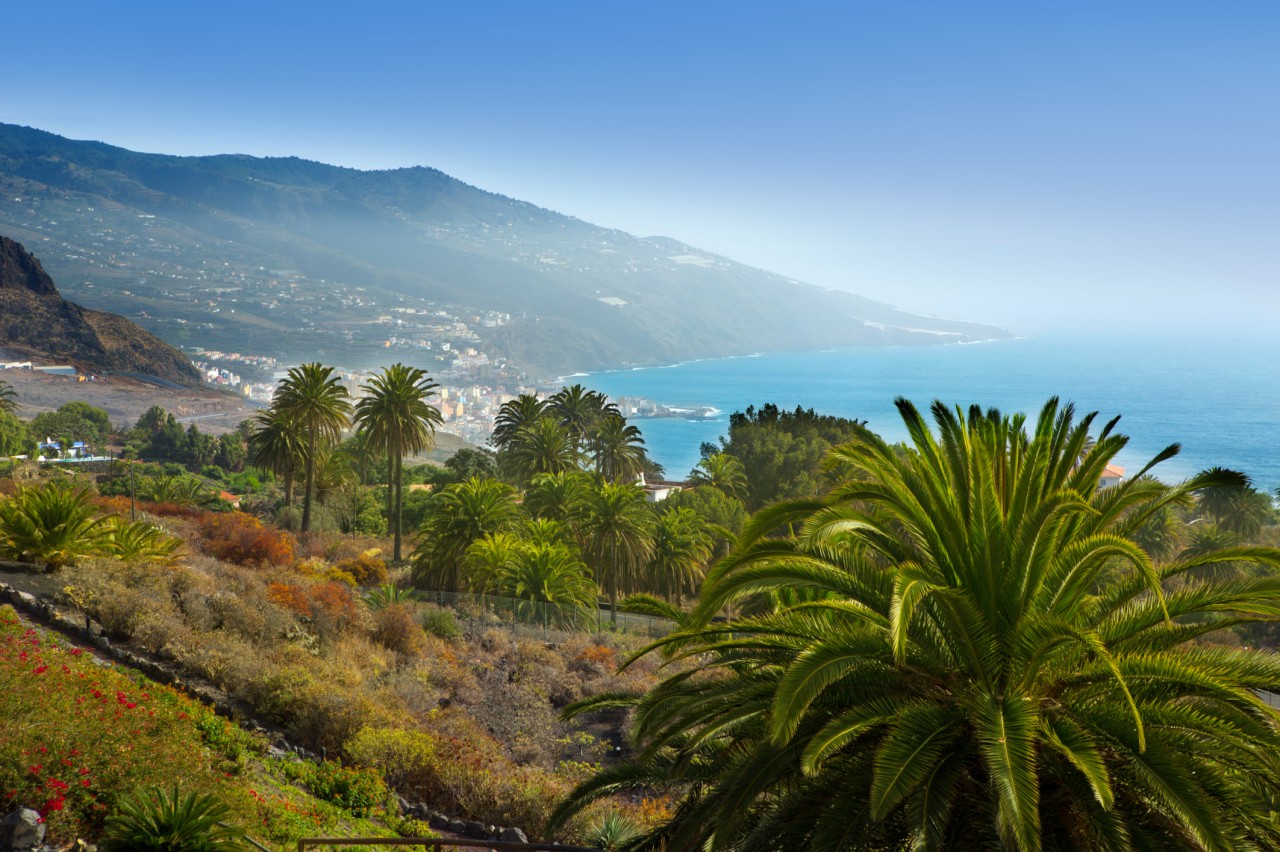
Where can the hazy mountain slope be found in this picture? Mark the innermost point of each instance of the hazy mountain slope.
(405, 234)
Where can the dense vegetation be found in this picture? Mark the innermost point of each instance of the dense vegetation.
(957, 642)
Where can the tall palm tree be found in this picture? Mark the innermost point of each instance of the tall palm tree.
(513, 416)
(967, 651)
(276, 444)
(580, 410)
(682, 546)
(722, 472)
(313, 397)
(557, 496)
(617, 526)
(396, 414)
(617, 450)
(544, 446)
(464, 513)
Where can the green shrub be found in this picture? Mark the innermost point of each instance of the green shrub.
(360, 791)
(439, 622)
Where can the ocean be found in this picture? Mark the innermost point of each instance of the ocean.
(1218, 398)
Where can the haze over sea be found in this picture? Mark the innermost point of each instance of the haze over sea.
(1219, 398)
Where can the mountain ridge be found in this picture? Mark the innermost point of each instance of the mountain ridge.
(35, 319)
(578, 296)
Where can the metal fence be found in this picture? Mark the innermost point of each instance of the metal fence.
(543, 620)
(439, 844)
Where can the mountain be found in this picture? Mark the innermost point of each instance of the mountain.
(296, 258)
(35, 319)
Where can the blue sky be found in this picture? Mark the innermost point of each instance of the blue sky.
(1040, 165)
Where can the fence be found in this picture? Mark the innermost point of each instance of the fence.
(437, 844)
(540, 620)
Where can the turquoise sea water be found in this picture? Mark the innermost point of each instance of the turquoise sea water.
(1219, 398)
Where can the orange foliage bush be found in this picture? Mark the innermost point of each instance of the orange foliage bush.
(329, 606)
(172, 510)
(290, 596)
(241, 538)
(112, 505)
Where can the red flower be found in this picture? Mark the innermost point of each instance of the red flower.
(41, 669)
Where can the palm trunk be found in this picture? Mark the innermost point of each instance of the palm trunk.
(613, 592)
(311, 472)
(391, 490)
(399, 503)
(288, 488)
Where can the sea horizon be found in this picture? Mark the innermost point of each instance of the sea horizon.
(1217, 397)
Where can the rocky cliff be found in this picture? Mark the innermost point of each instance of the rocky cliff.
(35, 319)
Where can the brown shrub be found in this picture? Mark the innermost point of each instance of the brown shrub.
(395, 628)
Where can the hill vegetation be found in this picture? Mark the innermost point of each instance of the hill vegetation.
(1077, 667)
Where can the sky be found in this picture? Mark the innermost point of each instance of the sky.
(1042, 166)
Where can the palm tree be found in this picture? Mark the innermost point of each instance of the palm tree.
(580, 410)
(617, 527)
(7, 397)
(462, 514)
(544, 446)
(548, 574)
(617, 450)
(722, 472)
(967, 651)
(513, 416)
(398, 418)
(681, 549)
(316, 401)
(275, 444)
(556, 496)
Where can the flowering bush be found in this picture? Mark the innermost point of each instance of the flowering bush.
(76, 734)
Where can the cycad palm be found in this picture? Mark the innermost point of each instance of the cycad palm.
(972, 654)
(313, 398)
(398, 417)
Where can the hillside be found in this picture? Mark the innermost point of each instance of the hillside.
(36, 320)
(292, 258)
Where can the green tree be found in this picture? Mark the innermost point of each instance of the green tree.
(275, 444)
(544, 446)
(580, 411)
(682, 546)
(461, 515)
(723, 472)
(617, 527)
(557, 496)
(782, 451)
(617, 449)
(8, 398)
(313, 397)
(513, 416)
(967, 651)
(399, 418)
(466, 463)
